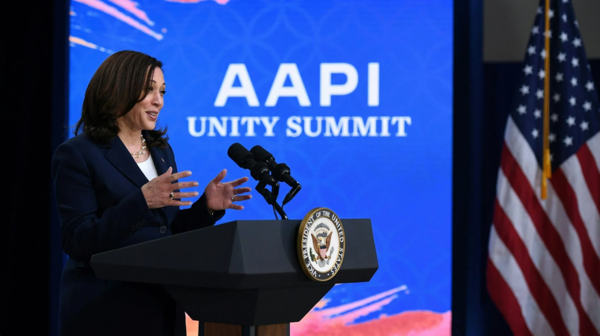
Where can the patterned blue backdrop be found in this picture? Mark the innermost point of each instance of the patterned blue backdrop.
(400, 177)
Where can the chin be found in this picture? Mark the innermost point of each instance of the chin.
(149, 127)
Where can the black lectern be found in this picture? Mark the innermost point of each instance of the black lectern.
(241, 277)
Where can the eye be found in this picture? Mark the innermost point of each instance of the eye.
(163, 92)
(150, 89)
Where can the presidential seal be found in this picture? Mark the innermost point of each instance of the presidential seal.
(321, 243)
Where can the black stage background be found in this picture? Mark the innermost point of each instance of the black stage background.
(36, 106)
(35, 51)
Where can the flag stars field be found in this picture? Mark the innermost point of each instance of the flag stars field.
(574, 81)
(572, 101)
(539, 94)
(559, 77)
(584, 125)
(564, 38)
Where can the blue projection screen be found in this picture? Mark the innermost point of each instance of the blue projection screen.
(354, 95)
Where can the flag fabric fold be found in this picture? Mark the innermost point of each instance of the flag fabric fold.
(543, 269)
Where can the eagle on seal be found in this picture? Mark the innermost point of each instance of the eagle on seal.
(322, 245)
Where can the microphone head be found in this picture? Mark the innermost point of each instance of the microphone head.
(260, 154)
(240, 155)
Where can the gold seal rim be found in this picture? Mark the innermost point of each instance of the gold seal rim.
(299, 243)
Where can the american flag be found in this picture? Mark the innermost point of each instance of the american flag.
(543, 269)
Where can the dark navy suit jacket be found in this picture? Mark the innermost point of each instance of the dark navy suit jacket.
(101, 207)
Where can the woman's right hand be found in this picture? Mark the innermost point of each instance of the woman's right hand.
(158, 191)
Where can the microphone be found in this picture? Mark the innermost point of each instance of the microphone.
(260, 172)
(240, 155)
(281, 172)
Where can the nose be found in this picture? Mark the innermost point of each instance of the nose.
(157, 99)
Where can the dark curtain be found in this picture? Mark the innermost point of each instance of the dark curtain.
(34, 105)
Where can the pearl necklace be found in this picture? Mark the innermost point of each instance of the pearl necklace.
(141, 151)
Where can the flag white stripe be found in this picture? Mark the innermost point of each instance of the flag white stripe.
(588, 296)
(510, 271)
(543, 261)
(594, 145)
(523, 154)
(555, 210)
(552, 204)
(587, 208)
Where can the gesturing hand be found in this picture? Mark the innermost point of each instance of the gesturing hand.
(160, 191)
(220, 196)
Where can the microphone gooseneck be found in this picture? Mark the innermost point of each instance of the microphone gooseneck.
(280, 171)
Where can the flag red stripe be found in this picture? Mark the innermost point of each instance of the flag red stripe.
(506, 301)
(548, 234)
(568, 197)
(535, 282)
(591, 174)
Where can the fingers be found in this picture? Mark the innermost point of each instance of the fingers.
(236, 207)
(166, 175)
(180, 203)
(240, 198)
(239, 182)
(180, 195)
(241, 190)
(179, 175)
(183, 185)
(220, 177)
(236, 192)
(168, 172)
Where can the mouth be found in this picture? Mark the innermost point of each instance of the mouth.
(153, 115)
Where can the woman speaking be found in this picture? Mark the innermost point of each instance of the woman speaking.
(117, 184)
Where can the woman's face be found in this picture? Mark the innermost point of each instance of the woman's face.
(144, 114)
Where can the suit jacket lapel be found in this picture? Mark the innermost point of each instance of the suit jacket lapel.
(120, 157)
(160, 160)
(161, 163)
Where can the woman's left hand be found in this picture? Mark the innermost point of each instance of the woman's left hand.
(220, 196)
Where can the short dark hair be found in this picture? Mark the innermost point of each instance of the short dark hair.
(113, 91)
